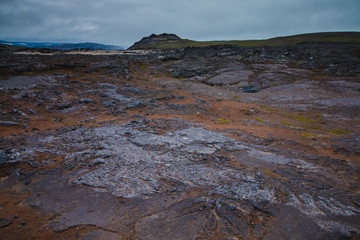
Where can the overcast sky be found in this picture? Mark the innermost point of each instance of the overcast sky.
(123, 22)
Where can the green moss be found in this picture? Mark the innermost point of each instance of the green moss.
(142, 66)
(259, 119)
(340, 131)
(303, 119)
(28, 73)
(223, 121)
(272, 110)
(49, 119)
(284, 193)
(307, 135)
(274, 175)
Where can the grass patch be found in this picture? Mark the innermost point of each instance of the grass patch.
(351, 37)
(340, 131)
(143, 66)
(50, 119)
(307, 135)
(223, 121)
(274, 175)
(287, 124)
(302, 119)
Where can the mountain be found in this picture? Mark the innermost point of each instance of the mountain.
(63, 46)
(154, 40)
(168, 41)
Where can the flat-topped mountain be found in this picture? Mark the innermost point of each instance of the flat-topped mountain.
(155, 39)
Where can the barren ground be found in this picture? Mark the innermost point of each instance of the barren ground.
(196, 143)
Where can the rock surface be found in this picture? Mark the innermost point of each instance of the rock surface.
(219, 142)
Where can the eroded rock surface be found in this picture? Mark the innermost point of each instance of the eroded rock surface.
(169, 145)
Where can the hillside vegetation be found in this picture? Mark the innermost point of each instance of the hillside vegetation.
(351, 37)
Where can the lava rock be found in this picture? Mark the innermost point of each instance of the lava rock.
(3, 157)
(64, 106)
(8, 123)
(4, 222)
(249, 89)
(229, 78)
(99, 234)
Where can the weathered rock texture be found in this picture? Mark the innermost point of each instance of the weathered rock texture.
(197, 143)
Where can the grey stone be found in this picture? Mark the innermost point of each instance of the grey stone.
(3, 157)
(64, 106)
(4, 222)
(58, 227)
(229, 78)
(101, 235)
(22, 82)
(8, 123)
(86, 100)
(249, 89)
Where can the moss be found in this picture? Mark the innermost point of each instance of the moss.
(284, 193)
(303, 119)
(340, 131)
(142, 66)
(272, 110)
(259, 119)
(274, 175)
(50, 119)
(28, 73)
(307, 135)
(223, 121)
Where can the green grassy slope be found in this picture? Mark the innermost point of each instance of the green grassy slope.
(351, 37)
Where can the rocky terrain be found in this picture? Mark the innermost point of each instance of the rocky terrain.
(218, 142)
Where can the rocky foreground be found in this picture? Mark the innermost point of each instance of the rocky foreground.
(216, 142)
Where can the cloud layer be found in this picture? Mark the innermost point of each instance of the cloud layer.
(126, 21)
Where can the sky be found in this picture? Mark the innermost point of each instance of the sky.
(124, 22)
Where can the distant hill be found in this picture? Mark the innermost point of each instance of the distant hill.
(154, 42)
(93, 46)
(63, 46)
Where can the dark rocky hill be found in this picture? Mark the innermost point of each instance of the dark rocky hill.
(154, 39)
